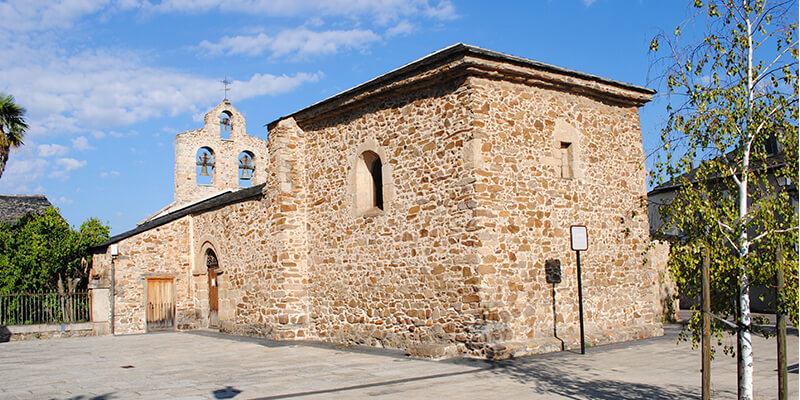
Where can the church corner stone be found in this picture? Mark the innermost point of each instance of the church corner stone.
(413, 212)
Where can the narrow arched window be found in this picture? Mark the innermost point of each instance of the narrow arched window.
(369, 182)
(225, 125)
(205, 166)
(376, 172)
(247, 168)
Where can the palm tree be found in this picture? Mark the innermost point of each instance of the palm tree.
(12, 127)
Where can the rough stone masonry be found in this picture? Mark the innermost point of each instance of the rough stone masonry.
(415, 211)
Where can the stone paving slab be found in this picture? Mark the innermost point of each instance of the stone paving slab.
(206, 365)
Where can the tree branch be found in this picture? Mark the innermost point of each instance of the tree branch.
(720, 224)
(767, 118)
(767, 70)
(761, 236)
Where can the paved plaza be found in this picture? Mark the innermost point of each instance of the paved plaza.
(208, 365)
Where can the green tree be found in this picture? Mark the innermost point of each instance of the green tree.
(730, 94)
(39, 251)
(12, 127)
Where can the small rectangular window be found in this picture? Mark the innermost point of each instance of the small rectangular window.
(565, 153)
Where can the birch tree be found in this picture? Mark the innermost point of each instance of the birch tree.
(730, 146)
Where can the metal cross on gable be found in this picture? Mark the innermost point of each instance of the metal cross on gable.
(205, 161)
(226, 83)
(246, 165)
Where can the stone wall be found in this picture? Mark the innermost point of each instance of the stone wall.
(160, 252)
(456, 258)
(261, 255)
(400, 276)
(525, 208)
(254, 297)
(15, 333)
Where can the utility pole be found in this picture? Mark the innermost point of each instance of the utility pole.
(706, 313)
(780, 325)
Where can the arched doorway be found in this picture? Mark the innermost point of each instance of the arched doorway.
(213, 288)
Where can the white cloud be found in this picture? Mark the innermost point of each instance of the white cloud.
(70, 164)
(588, 3)
(26, 15)
(50, 150)
(380, 11)
(64, 166)
(270, 84)
(403, 28)
(21, 172)
(109, 173)
(81, 143)
(91, 91)
(304, 42)
(114, 90)
(64, 200)
(299, 42)
(249, 45)
(34, 16)
(116, 134)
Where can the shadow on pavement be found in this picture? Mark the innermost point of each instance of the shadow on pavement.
(547, 379)
(106, 396)
(792, 369)
(228, 392)
(369, 385)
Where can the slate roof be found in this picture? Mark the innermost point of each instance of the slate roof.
(446, 55)
(773, 161)
(15, 206)
(213, 203)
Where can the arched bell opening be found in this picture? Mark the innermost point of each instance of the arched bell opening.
(247, 169)
(205, 166)
(225, 125)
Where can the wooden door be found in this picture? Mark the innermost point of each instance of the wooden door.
(213, 298)
(160, 299)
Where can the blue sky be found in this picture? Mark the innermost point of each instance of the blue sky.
(108, 84)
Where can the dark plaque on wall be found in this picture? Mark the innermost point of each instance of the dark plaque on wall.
(552, 269)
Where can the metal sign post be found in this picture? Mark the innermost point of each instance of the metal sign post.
(580, 242)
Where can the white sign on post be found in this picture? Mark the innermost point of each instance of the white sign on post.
(579, 238)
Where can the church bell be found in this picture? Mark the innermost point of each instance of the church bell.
(246, 165)
(205, 161)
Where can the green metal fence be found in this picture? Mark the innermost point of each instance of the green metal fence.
(44, 308)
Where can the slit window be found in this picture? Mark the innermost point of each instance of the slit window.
(566, 159)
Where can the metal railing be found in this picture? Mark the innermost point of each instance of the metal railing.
(44, 308)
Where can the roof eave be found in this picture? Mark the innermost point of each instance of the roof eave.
(450, 54)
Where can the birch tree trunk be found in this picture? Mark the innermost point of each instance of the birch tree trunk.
(746, 348)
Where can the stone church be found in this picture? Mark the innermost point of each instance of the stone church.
(415, 211)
